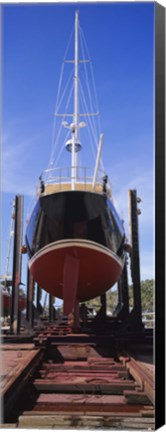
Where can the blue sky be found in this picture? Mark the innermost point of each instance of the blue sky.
(120, 38)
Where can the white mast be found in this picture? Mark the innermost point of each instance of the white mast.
(76, 79)
(75, 117)
(73, 145)
(97, 161)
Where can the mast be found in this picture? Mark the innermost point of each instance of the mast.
(76, 102)
(76, 107)
(73, 145)
(97, 161)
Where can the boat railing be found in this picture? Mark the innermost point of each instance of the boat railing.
(60, 179)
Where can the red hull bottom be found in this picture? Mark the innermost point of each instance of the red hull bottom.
(85, 267)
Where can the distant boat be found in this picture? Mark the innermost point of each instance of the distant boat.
(6, 302)
(75, 238)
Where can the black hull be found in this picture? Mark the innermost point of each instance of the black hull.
(74, 215)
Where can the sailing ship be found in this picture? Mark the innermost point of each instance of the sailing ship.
(75, 237)
(6, 281)
(6, 298)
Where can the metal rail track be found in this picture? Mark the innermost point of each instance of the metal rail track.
(83, 385)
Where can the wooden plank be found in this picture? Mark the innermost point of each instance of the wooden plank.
(116, 388)
(70, 376)
(61, 186)
(59, 421)
(82, 413)
(17, 385)
(47, 373)
(83, 365)
(135, 397)
(146, 413)
(17, 366)
(69, 399)
(75, 421)
(15, 347)
(150, 392)
(143, 375)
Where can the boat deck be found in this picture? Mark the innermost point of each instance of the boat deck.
(63, 186)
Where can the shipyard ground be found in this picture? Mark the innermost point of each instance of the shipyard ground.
(56, 378)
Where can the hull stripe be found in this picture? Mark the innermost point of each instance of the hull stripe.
(75, 243)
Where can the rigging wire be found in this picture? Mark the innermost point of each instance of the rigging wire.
(55, 119)
(69, 42)
(87, 84)
(89, 118)
(89, 130)
(87, 100)
(57, 103)
(61, 127)
(93, 123)
(62, 147)
(55, 122)
(92, 74)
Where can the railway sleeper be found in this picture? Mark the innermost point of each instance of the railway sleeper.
(87, 375)
(121, 411)
(56, 421)
(78, 387)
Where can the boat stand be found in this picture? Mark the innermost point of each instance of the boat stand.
(30, 295)
(122, 309)
(51, 308)
(132, 321)
(38, 298)
(136, 321)
(16, 277)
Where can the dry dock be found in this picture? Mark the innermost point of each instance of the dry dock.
(80, 383)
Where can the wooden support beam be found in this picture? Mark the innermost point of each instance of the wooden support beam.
(51, 299)
(135, 261)
(17, 261)
(30, 295)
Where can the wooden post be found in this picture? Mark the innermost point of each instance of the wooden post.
(51, 317)
(38, 298)
(17, 261)
(30, 295)
(135, 259)
(125, 290)
(119, 286)
(103, 303)
(76, 315)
